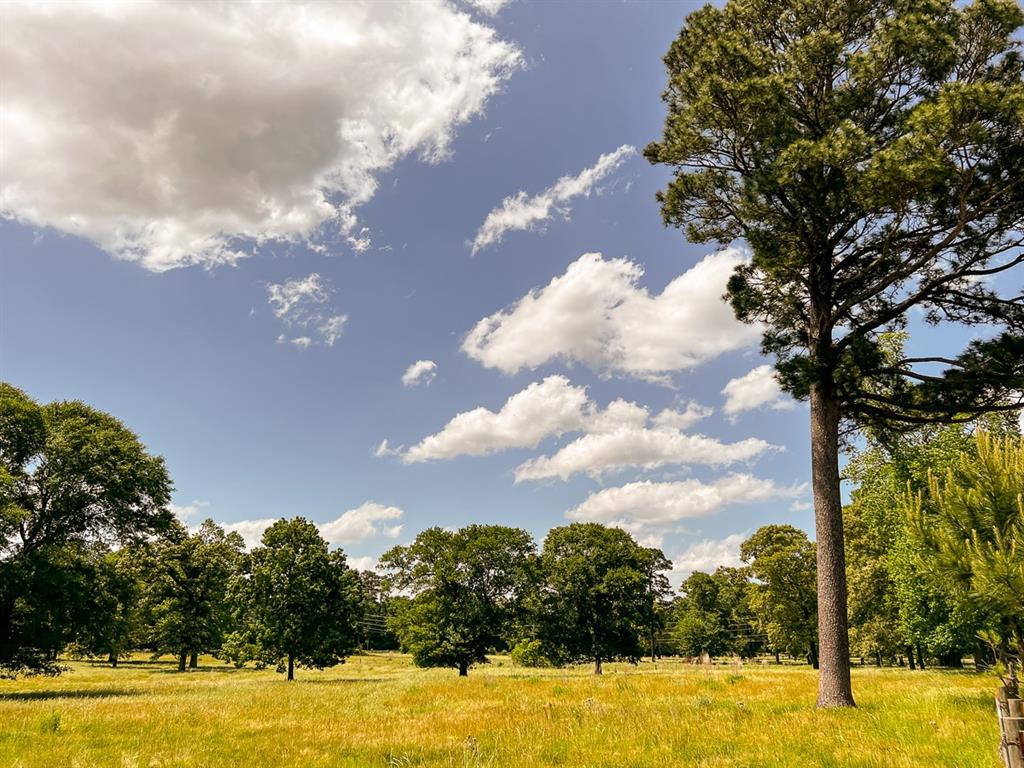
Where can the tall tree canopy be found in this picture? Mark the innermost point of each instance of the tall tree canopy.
(71, 477)
(871, 153)
(186, 593)
(468, 592)
(597, 592)
(782, 561)
(295, 601)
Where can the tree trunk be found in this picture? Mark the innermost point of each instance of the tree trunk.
(910, 656)
(463, 668)
(291, 667)
(920, 657)
(193, 660)
(777, 659)
(878, 658)
(597, 666)
(812, 657)
(182, 658)
(834, 689)
(112, 658)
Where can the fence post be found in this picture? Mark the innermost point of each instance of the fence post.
(1011, 729)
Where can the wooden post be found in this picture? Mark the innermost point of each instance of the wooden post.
(1011, 729)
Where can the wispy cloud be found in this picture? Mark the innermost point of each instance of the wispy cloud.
(303, 303)
(523, 211)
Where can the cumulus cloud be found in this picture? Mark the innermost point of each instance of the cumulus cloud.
(598, 315)
(251, 531)
(189, 132)
(549, 407)
(188, 512)
(621, 435)
(420, 372)
(620, 438)
(757, 389)
(647, 505)
(707, 555)
(366, 521)
(522, 211)
(491, 7)
(303, 303)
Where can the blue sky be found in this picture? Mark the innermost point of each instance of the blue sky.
(129, 282)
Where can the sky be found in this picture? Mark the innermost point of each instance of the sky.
(384, 266)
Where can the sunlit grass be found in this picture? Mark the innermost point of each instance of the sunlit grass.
(378, 710)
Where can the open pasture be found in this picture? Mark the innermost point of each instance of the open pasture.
(379, 710)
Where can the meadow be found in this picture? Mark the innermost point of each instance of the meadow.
(379, 710)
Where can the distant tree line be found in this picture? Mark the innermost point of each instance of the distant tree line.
(93, 565)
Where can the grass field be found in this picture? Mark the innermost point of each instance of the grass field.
(378, 710)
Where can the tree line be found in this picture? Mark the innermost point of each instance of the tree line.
(935, 561)
(94, 565)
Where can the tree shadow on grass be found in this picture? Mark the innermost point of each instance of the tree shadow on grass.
(89, 693)
(345, 680)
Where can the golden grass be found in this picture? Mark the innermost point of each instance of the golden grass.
(378, 710)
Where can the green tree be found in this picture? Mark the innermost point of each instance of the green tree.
(782, 562)
(468, 591)
(113, 623)
(970, 525)
(295, 601)
(70, 477)
(699, 626)
(186, 592)
(597, 593)
(871, 153)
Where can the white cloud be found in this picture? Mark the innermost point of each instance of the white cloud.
(521, 211)
(757, 389)
(295, 300)
(188, 512)
(707, 555)
(646, 505)
(366, 521)
(331, 328)
(251, 531)
(549, 407)
(596, 454)
(366, 563)
(619, 438)
(420, 372)
(187, 132)
(301, 302)
(597, 315)
(622, 435)
(385, 449)
(491, 7)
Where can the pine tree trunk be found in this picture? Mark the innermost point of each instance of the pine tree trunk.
(597, 666)
(834, 689)
(463, 668)
(291, 667)
(193, 660)
(182, 658)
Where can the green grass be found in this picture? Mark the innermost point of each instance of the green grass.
(378, 710)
